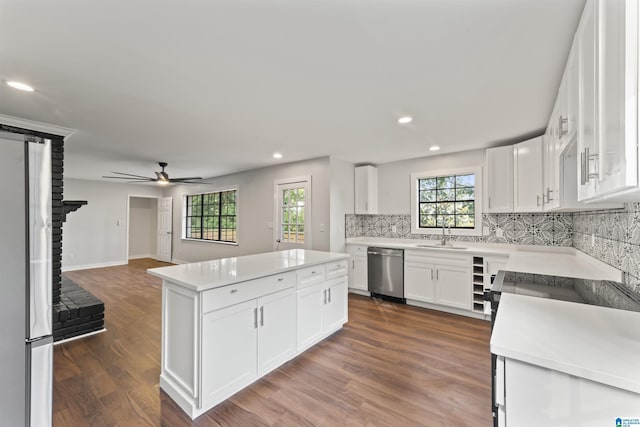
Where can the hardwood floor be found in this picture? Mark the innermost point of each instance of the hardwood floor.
(391, 365)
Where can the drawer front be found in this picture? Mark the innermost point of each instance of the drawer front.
(357, 250)
(244, 291)
(337, 268)
(311, 275)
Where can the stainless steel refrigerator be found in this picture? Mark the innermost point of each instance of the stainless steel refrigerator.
(26, 344)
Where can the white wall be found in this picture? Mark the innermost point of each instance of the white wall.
(255, 210)
(394, 179)
(96, 234)
(341, 197)
(143, 220)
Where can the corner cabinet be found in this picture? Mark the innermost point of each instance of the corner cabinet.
(444, 280)
(218, 341)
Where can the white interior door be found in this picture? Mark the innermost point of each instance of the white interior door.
(292, 227)
(165, 212)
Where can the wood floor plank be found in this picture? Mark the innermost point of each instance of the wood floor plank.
(391, 365)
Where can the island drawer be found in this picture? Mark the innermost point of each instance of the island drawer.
(337, 269)
(311, 275)
(226, 296)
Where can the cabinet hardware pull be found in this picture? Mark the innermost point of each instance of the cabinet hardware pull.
(233, 291)
(329, 292)
(280, 279)
(431, 273)
(255, 318)
(549, 191)
(262, 315)
(537, 200)
(588, 157)
(437, 274)
(582, 168)
(489, 201)
(561, 122)
(324, 296)
(313, 272)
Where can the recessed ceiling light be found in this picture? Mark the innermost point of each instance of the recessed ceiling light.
(277, 155)
(434, 148)
(20, 86)
(405, 119)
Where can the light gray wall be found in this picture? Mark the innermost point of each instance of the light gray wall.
(96, 234)
(143, 220)
(255, 210)
(394, 179)
(341, 201)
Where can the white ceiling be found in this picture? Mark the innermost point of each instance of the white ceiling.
(214, 87)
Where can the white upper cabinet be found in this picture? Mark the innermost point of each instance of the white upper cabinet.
(527, 170)
(608, 100)
(499, 167)
(366, 190)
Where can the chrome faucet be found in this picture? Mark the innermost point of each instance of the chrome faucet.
(443, 242)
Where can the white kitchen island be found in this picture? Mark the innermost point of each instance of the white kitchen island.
(228, 322)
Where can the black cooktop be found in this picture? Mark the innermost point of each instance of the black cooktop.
(604, 293)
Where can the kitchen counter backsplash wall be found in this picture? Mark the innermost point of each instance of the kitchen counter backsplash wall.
(612, 236)
(551, 229)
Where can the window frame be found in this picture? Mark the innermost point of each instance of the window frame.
(415, 206)
(219, 216)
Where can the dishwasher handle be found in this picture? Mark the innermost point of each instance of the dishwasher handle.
(383, 254)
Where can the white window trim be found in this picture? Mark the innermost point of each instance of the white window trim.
(211, 190)
(308, 213)
(477, 230)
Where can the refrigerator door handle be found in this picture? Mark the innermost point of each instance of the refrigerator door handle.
(41, 382)
(39, 238)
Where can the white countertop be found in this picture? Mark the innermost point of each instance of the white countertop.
(537, 259)
(200, 276)
(597, 343)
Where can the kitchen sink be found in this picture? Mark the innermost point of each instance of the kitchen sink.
(439, 246)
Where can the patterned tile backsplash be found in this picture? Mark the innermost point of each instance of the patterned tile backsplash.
(526, 229)
(612, 236)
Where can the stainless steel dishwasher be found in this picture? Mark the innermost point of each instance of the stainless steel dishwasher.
(385, 270)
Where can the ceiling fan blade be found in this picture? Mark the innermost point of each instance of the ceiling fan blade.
(184, 179)
(129, 177)
(130, 174)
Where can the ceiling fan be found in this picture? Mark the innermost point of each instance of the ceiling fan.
(161, 177)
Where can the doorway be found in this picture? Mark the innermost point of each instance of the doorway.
(142, 227)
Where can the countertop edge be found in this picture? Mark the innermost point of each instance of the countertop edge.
(335, 256)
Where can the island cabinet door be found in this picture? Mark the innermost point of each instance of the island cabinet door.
(335, 307)
(310, 306)
(276, 329)
(229, 351)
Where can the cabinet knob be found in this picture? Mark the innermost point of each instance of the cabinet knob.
(280, 279)
(233, 291)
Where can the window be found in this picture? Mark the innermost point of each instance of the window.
(211, 216)
(446, 198)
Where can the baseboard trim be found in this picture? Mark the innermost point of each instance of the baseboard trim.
(97, 265)
(142, 256)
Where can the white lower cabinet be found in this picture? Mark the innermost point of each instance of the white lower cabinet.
(244, 341)
(322, 309)
(229, 351)
(535, 396)
(218, 341)
(419, 281)
(358, 268)
(439, 279)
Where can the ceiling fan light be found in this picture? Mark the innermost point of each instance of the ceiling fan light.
(20, 86)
